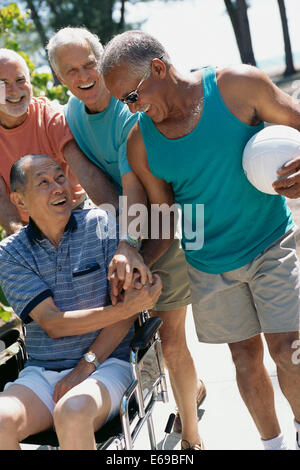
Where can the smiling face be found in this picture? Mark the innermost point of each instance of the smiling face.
(79, 71)
(47, 195)
(18, 92)
(121, 81)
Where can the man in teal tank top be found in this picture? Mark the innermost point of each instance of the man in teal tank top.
(100, 125)
(239, 243)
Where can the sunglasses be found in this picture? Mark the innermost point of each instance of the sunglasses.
(133, 96)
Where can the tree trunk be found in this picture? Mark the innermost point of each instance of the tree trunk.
(237, 11)
(41, 32)
(290, 69)
(121, 23)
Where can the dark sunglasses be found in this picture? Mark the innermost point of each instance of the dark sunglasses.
(133, 96)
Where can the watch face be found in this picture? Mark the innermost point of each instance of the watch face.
(90, 357)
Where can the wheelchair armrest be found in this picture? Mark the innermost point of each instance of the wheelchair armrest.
(145, 333)
(9, 337)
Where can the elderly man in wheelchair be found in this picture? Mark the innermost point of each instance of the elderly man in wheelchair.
(54, 275)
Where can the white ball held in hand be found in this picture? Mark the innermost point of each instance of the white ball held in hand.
(266, 152)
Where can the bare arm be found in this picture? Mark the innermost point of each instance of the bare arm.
(252, 97)
(76, 322)
(158, 192)
(127, 259)
(137, 185)
(9, 216)
(105, 343)
(279, 108)
(98, 186)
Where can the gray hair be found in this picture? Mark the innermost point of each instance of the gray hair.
(17, 176)
(73, 36)
(136, 48)
(9, 54)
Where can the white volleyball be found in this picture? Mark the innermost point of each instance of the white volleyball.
(266, 152)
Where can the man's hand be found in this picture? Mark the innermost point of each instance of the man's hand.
(137, 300)
(81, 372)
(126, 261)
(288, 184)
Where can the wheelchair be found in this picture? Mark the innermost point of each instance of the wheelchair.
(147, 387)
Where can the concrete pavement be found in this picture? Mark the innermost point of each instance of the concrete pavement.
(224, 421)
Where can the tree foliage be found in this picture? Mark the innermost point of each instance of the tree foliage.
(99, 16)
(12, 24)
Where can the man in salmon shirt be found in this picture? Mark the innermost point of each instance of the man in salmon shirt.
(31, 125)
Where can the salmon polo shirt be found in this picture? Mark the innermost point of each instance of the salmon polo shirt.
(45, 131)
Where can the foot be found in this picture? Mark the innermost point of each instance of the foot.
(200, 397)
(185, 445)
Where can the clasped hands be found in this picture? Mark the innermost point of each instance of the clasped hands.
(131, 280)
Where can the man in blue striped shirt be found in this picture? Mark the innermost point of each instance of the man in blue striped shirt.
(54, 274)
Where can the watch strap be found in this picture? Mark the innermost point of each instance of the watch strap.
(132, 241)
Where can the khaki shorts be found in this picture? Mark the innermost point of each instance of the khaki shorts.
(262, 296)
(172, 269)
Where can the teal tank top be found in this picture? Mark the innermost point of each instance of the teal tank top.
(226, 222)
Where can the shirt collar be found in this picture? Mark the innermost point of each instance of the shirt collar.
(33, 232)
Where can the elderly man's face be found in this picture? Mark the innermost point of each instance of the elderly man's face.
(79, 71)
(17, 87)
(121, 82)
(48, 193)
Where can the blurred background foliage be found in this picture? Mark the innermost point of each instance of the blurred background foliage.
(14, 32)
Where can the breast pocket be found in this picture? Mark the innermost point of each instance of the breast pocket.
(90, 286)
(90, 268)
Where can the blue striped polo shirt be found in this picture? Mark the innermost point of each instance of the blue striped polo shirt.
(75, 275)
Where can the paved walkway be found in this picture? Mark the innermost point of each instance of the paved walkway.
(224, 423)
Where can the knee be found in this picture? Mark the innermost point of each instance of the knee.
(283, 354)
(74, 410)
(248, 359)
(9, 422)
(176, 354)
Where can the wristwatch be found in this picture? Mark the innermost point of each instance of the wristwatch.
(90, 357)
(135, 242)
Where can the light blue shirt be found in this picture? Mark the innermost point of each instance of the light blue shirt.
(102, 136)
(74, 275)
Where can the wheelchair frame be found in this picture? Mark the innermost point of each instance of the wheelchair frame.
(138, 400)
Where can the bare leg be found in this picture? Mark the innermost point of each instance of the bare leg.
(84, 409)
(288, 369)
(22, 413)
(255, 385)
(181, 370)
